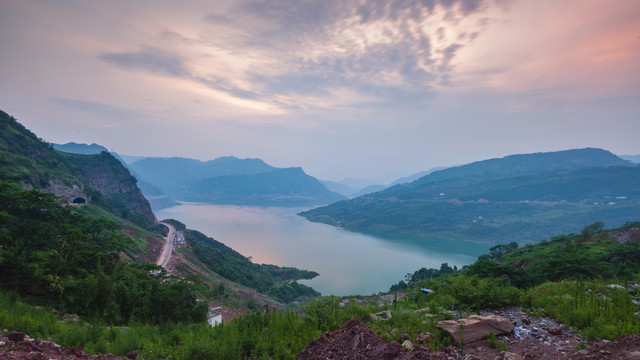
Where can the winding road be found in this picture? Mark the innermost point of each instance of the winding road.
(163, 260)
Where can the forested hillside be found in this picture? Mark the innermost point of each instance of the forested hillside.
(521, 198)
(99, 179)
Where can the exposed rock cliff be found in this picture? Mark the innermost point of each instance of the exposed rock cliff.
(105, 173)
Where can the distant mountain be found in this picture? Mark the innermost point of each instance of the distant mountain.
(129, 159)
(354, 187)
(174, 175)
(340, 188)
(369, 189)
(76, 148)
(525, 164)
(517, 198)
(281, 187)
(633, 158)
(230, 180)
(416, 176)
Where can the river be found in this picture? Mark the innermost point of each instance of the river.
(349, 263)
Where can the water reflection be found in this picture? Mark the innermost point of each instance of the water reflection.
(348, 262)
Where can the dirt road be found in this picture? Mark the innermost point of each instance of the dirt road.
(164, 257)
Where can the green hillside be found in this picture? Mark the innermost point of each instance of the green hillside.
(500, 201)
(25, 158)
(281, 187)
(99, 179)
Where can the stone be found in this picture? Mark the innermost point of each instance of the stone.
(555, 330)
(407, 345)
(475, 328)
(425, 338)
(635, 355)
(16, 336)
(133, 354)
(382, 315)
(505, 355)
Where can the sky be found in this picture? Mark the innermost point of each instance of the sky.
(341, 88)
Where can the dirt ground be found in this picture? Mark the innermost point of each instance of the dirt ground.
(355, 341)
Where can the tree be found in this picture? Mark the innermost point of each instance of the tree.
(592, 229)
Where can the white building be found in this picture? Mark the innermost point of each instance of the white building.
(214, 318)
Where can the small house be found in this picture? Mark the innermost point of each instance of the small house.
(214, 318)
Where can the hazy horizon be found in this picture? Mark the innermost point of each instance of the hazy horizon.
(343, 89)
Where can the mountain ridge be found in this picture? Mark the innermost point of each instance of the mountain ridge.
(231, 180)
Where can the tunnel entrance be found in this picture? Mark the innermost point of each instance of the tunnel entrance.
(79, 201)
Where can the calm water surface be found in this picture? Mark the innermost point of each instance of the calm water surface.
(349, 263)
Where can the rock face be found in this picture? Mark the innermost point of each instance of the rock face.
(105, 173)
(475, 327)
(113, 180)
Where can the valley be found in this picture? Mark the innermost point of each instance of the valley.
(349, 263)
(79, 241)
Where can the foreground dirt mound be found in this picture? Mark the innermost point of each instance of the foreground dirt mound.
(18, 346)
(624, 348)
(355, 341)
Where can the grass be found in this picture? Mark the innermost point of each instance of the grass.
(594, 308)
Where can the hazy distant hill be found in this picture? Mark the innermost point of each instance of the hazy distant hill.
(174, 175)
(230, 180)
(414, 177)
(339, 187)
(76, 148)
(633, 158)
(283, 187)
(519, 197)
(369, 189)
(353, 188)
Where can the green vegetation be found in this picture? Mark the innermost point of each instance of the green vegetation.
(495, 343)
(69, 259)
(523, 198)
(571, 278)
(268, 335)
(64, 258)
(597, 309)
(267, 279)
(507, 276)
(25, 158)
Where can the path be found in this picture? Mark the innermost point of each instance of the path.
(164, 257)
